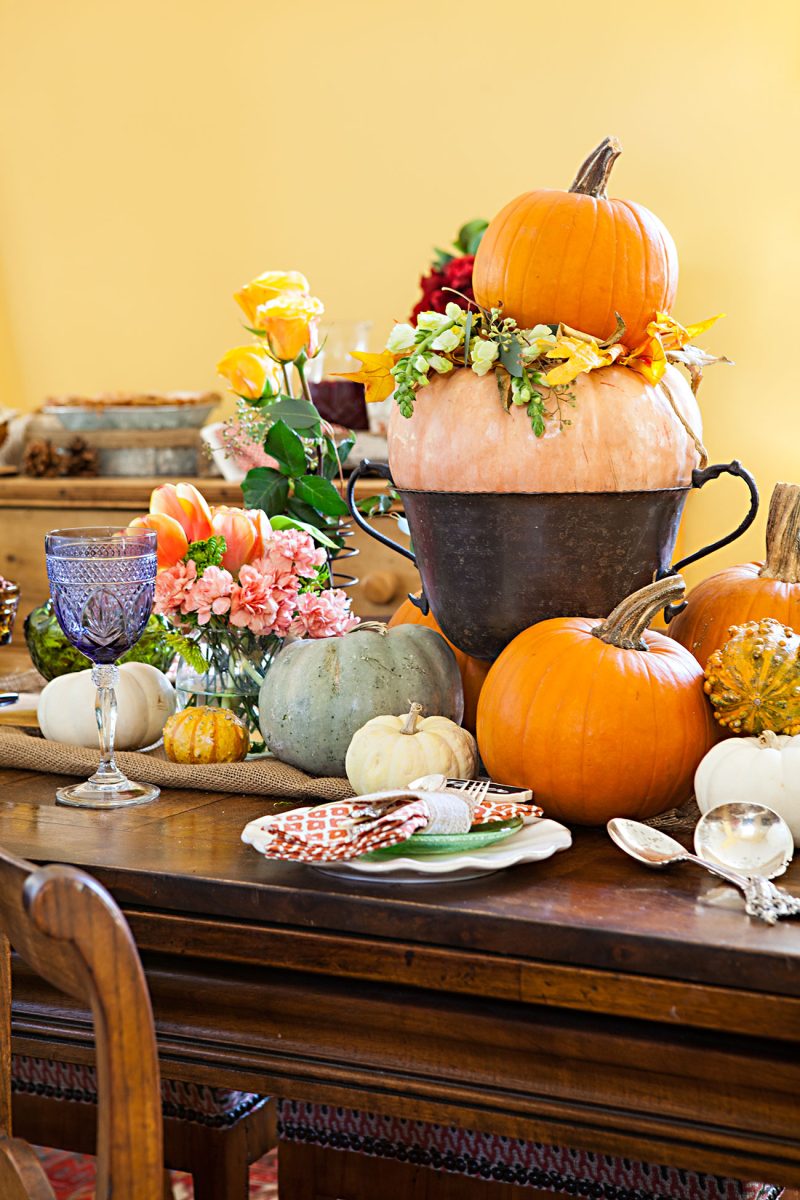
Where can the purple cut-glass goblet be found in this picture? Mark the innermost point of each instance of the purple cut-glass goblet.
(102, 581)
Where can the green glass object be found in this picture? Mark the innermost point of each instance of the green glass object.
(53, 655)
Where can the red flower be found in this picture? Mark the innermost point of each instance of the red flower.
(457, 274)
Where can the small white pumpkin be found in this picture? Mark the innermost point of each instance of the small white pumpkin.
(763, 769)
(388, 752)
(145, 698)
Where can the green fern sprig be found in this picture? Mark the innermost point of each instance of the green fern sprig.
(188, 650)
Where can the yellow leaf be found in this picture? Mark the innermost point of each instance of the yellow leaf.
(580, 356)
(695, 330)
(674, 335)
(375, 374)
(649, 359)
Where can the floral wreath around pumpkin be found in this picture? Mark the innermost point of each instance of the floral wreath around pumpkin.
(533, 367)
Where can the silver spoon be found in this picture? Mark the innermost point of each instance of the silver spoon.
(656, 849)
(747, 837)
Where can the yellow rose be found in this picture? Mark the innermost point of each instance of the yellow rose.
(266, 287)
(248, 370)
(289, 323)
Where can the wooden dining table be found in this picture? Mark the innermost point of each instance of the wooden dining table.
(582, 1000)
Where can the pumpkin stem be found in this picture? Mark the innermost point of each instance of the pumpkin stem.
(593, 175)
(626, 624)
(412, 720)
(370, 626)
(783, 535)
(768, 740)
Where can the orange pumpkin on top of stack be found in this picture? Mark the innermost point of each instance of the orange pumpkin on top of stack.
(576, 259)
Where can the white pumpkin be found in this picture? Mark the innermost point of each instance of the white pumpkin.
(388, 752)
(145, 698)
(764, 769)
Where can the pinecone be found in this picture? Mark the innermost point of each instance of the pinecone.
(80, 459)
(42, 460)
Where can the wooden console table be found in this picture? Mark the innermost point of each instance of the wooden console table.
(31, 507)
(582, 1001)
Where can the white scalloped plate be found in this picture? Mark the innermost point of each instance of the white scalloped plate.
(532, 843)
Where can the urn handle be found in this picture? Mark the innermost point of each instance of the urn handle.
(367, 467)
(699, 479)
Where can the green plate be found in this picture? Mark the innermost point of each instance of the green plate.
(451, 843)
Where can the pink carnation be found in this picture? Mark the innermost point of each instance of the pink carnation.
(253, 605)
(173, 588)
(323, 614)
(211, 595)
(283, 588)
(290, 551)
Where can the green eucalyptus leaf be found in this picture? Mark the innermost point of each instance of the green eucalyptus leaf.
(298, 414)
(467, 335)
(511, 358)
(286, 447)
(267, 489)
(321, 494)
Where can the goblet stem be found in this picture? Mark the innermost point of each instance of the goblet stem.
(105, 679)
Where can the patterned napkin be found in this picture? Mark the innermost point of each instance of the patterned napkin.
(350, 828)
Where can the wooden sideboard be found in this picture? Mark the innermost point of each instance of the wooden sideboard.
(31, 507)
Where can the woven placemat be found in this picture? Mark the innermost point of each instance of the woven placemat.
(259, 777)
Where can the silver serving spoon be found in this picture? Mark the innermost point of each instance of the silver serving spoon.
(746, 837)
(657, 849)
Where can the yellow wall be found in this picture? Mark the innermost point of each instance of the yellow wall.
(155, 155)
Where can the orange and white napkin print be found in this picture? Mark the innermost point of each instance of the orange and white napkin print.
(349, 828)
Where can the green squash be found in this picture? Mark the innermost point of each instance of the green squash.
(317, 693)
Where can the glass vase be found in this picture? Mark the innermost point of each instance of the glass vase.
(236, 662)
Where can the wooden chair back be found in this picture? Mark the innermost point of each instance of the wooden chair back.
(66, 926)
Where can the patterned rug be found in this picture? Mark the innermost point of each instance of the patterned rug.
(72, 1177)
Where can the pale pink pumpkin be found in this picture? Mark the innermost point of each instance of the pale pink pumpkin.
(625, 435)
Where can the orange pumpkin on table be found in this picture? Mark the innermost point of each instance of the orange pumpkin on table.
(625, 435)
(600, 718)
(749, 591)
(205, 735)
(473, 670)
(578, 257)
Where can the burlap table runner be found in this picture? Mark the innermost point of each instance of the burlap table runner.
(22, 681)
(259, 777)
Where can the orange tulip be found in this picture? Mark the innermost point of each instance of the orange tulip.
(266, 287)
(185, 505)
(172, 540)
(262, 529)
(240, 536)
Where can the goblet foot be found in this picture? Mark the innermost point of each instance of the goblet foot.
(107, 795)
